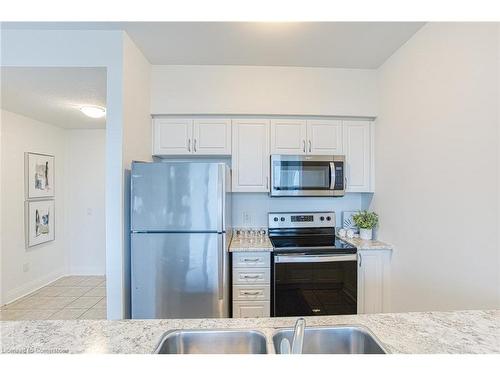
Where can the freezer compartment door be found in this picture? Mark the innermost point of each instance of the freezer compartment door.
(179, 275)
(177, 196)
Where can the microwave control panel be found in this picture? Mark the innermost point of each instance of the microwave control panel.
(339, 176)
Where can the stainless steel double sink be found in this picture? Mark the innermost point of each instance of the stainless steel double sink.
(317, 340)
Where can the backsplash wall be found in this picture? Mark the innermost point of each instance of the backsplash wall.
(251, 209)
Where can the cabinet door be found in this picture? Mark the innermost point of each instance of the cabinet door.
(357, 150)
(250, 156)
(373, 281)
(172, 136)
(251, 309)
(212, 137)
(288, 137)
(324, 137)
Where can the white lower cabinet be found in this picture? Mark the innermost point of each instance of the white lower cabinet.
(374, 281)
(251, 309)
(251, 284)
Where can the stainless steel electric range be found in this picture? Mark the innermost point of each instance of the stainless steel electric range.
(313, 271)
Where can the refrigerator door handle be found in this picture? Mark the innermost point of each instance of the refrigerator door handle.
(220, 261)
(220, 198)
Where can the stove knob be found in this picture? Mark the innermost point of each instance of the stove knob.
(328, 218)
(275, 219)
(322, 218)
(282, 218)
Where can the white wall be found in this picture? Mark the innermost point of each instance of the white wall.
(256, 206)
(437, 167)
(85, 176)
(95, 49)
(46, 262)
(137, 140)
(264, 90)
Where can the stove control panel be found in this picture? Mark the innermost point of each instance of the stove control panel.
(301, 219)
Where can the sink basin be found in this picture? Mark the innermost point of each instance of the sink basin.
(334, 340)
(208, 341)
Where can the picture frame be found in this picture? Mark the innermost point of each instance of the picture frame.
(40, 222)
(348, 222)
(39, 175)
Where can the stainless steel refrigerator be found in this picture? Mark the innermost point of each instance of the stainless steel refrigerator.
(180, 233)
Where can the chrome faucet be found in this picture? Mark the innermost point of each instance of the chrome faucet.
(298, 336)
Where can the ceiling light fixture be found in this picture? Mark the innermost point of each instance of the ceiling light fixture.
(93, 111)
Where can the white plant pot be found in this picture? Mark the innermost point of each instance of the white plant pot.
(365, 234)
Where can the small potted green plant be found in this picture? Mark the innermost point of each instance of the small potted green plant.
(365, 221)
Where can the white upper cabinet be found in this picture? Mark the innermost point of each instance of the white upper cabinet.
(172, 136)
(324, 137)
(358, 148)
(288, 136)
(311, 137)
(250, 160)
(212, 136)
(187, 136)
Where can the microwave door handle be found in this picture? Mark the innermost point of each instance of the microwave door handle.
(332, 176)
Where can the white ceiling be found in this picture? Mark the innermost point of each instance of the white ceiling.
(315, 44)
(54, 95)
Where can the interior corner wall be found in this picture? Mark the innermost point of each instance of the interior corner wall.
(85, 176)
(26, 269)
(437, 167)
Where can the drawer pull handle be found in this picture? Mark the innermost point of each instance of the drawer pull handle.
(251, 293)
(251, 260)
(251, 277)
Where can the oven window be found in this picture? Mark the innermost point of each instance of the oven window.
(301, 175)
(306, 289)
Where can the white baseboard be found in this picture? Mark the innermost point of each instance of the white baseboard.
(31, 286)
(91, 271)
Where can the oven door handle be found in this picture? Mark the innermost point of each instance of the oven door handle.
(300, 258)
(332, 176)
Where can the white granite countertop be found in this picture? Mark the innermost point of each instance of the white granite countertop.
(367, 244)
(241, 243)
(426, 332)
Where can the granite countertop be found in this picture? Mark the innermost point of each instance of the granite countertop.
(367, 244)
(255, 243)
(425, 332)
(242, 243)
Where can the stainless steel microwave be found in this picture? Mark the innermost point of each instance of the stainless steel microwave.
(307, 176)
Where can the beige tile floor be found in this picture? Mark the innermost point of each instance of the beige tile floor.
(70, 297)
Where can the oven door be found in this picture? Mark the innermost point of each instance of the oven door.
(312, 284)
(307, 175)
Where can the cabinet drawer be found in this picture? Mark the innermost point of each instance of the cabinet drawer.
(251, 309)
(251, 293)
(251, 259)
(251, 276)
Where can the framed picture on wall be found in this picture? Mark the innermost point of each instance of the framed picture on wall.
(40, 222)
(348, 222)
(39, 170)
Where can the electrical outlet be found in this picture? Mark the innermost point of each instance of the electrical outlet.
(247, 218)
(26, 267)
